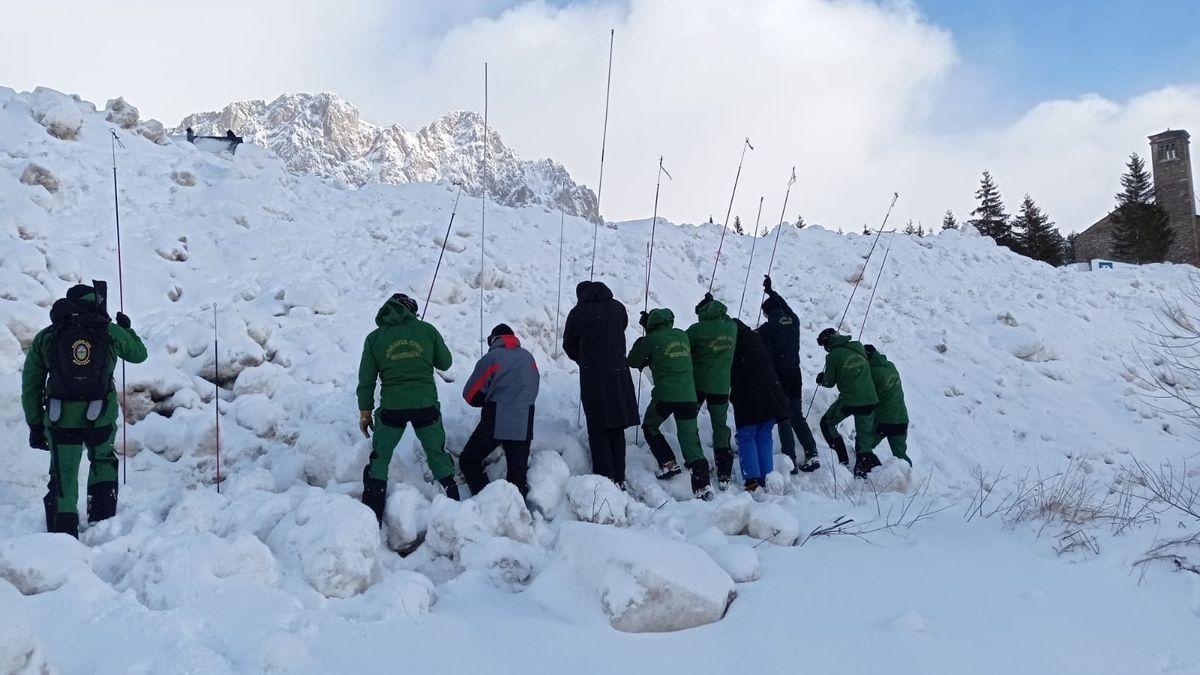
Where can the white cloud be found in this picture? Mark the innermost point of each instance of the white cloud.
(844, 90)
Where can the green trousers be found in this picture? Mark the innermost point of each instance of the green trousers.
(66, 451)
(718, 414)
(897, 438)
(685, 414)
(864, 428)
(389, 429)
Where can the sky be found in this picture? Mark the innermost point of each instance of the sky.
(864, 97)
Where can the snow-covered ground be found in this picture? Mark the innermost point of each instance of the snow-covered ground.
(1009, 366)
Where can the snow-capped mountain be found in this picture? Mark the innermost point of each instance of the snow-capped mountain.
(323, 135)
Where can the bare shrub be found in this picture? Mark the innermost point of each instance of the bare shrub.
(1169, 373)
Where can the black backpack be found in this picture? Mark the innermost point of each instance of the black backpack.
(79, 351)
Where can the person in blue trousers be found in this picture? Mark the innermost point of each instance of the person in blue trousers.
(759, 403)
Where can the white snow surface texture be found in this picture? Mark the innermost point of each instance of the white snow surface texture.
(1006, 363)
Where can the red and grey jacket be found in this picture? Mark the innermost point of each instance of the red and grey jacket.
(507, 378)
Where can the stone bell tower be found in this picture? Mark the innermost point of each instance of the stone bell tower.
(1175, 192)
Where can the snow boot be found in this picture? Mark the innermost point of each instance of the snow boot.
(753, 484)
(101, 501)
(66, 523)
(48, 505)
(375, 496)
(450, 486)
(701, 479)
(863, 463)
(723, 482)
(724, 460)
(668, 471)
(839, 447)
(810, 464)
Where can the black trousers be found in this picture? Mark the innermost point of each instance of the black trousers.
(608, 453)
(483, 442)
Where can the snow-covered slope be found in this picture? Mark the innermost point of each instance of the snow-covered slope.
(1006, 363)
(322, 135)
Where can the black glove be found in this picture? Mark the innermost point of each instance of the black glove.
(123, 320)
(643, 318)
(767, 283)
(821, 379)
(37, 439)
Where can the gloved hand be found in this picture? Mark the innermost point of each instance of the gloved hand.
(643, 318)
(821, 379)
(767, 283)
(37, 439)
(366, 423)
(123, 320)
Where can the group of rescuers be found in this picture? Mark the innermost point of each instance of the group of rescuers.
(70, 400)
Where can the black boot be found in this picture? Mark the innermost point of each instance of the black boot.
(101, 501)
(863, 463)
(700, 479)
(375, 496)
(450, 486)
(839, 446)
(810, 464)
(724, 459)
(48, 505)
(67, 523)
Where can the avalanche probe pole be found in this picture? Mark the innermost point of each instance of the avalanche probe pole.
(778, 229)
(562, 222)
(725, 225)
(603, 146)
(753, 244)
(121, 290)
(871, 299)
(217, 394)
(649, 269)
(442, 252)
(483, 206)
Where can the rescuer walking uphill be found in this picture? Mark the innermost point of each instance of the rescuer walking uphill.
(70, 402)
(666, 350)
(891, 415)
(712, 340)
(594, 338)
(401, 354)
(781, 335)
(758, 405)
(505, 385)
(846, 368)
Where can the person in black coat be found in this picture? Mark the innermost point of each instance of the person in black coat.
(781, 334)
(759, 403)
(594, 338)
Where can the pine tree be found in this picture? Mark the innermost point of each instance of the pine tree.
(920, 231)
(1036, 236)
(1141, 228)
(762, 232)
(866, 230)
(737, 225)
(1069, 252)
(949, 222)
(800, 222)
(909, 228)
(990, 218)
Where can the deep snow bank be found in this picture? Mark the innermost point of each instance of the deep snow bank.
(1006, 362)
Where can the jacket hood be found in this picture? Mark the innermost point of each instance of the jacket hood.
(713, 309)
(875, 358)
(592, 291)
(393, 313)
(772, 306)
(659, 319)
(83, 310)
(840, 340)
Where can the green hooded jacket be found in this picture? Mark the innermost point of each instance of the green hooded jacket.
(401, 354)
(713, 338)
(846, 368)
(669, 354)
(891, 409)
(125, 345)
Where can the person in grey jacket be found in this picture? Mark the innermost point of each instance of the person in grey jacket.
(505, 386)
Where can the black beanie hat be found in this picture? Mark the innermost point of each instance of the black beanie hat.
(825, 336)
(501, 329)
(406, 301)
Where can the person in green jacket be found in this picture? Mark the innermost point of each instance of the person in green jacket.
(846, 368)
(668, 353)
(713, 338)
(891, 415)
(401, 355)
(70, 402)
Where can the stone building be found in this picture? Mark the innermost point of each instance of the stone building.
(1174, 190)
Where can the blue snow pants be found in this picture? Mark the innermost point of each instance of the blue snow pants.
(756, 450)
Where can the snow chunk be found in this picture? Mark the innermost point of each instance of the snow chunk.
(121, 113)
(769, 522)
(509, 565)
(732, 516)
(548, 474)
(35, 174)
(739, 561)
(175, 571)
(405, 516)
(264, 378)
(331, 541)
(20, 651)
(498, 511)
(402, 592)
(643, 583)
(41, 562)
(596, 499)
(59, 113)
(910, 621)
